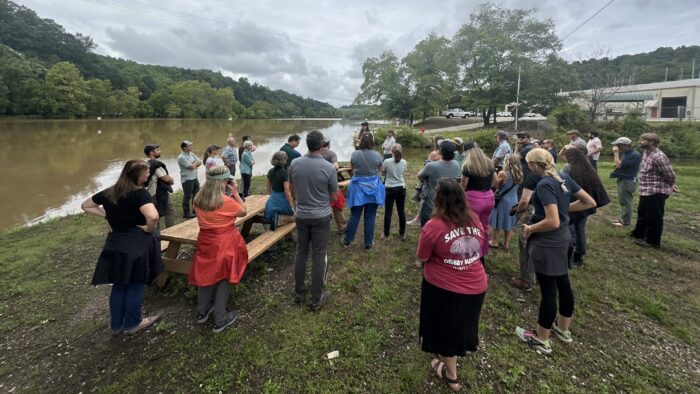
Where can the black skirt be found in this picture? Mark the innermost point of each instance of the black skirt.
(131, 256)
(449, 322)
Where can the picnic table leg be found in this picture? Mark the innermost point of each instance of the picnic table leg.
(170, 252)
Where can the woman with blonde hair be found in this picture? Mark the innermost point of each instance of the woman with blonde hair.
(278, 208)
(130, 257)
(506, 183)
(478, 175)
(221, 255)
(549, 249)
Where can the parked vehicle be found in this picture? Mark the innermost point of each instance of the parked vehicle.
(457, 112)
(504, 114)
(531, 114)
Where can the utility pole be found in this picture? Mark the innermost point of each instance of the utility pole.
(666, 77)
(692, 73)
(517, 101)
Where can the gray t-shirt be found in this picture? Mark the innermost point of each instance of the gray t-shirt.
(394, 173)
(366, 162)
(431, 174)
(185, 160)
(329, 155)
(313, 179)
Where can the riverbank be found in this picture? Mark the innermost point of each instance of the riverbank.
(637, 325)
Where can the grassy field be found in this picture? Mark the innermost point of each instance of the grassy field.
(636, 328)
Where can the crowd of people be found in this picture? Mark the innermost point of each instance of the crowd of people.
(467, 200)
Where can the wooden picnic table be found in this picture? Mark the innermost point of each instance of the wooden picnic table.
(187, 232)
(344, 173)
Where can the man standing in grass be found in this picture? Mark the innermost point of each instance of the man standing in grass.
(314, 184)
(594, 147)
(656, 183)
(188, 162)
(230, 155)
(574, 139)
(160, 184)
(290, 149)
(503, 150)
(627, 162)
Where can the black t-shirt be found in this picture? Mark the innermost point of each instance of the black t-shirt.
(531, 181)
(548, 191)
(277, 176)
(523, 152)
(126, 213)
(478, 183)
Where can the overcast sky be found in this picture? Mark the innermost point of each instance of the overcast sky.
(316, 48)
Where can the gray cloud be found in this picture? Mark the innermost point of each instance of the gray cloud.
(316, 49)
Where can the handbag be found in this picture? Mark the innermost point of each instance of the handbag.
(500, 195)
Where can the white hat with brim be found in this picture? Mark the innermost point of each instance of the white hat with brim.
(622, 141)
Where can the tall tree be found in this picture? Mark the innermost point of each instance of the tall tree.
(491, 47)
(385, 83)
(431, 69)
(602, 82)
(65, 90)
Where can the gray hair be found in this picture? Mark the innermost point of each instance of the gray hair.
(279, 159)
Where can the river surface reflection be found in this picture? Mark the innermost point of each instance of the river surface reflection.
(51, 166)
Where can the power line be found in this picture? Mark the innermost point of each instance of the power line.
(321, 51)
(588, 20)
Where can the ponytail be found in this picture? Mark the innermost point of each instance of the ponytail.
(397, 155)
(551, 170)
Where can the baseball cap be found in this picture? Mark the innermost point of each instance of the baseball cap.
(150, 148)
(447, 147)
(520, 134)
(221, 177)
(185, 143)
(573, 131)
(458, 141)
(622, 141)
(502, 134)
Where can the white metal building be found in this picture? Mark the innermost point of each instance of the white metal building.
(658, 101)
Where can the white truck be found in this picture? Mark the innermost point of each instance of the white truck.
(454, 112)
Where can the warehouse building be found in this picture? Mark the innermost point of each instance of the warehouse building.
(658, 101)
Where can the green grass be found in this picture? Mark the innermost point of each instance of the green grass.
(636, 326)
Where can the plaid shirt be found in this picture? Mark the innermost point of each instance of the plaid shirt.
(656, 175)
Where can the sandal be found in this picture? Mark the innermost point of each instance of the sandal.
(441, 373)
(492, 246)
(145, 323)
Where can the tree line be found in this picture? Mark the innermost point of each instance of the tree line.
(47, 71)
(477, 68)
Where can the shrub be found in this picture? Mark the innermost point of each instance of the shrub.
(405, 135)
(569, 116)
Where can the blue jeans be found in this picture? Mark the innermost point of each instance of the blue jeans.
(578, 232)
(370, 216)
(125, 305)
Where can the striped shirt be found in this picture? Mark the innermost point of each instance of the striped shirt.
(656, 175)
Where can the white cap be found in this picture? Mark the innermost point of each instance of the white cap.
(622, 141)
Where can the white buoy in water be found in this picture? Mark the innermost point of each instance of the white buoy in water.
(99, 118)
(230, 118)
(99, 131)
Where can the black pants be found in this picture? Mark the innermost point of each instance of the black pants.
(397, 194)
(189, 190)
(650, 218)
(312, 234)
(246, 183)
(549, 286)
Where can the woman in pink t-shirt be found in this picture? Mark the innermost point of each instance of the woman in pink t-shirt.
(454, 281)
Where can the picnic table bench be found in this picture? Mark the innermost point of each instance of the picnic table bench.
(187, 232)
(344, 173)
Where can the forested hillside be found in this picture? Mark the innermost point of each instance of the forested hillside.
(44, 70)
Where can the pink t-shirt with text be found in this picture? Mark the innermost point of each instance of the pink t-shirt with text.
(452, 255)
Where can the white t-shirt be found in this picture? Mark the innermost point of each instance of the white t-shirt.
(153, 181)
(388, 144)
(394, 172)
(593, 145)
